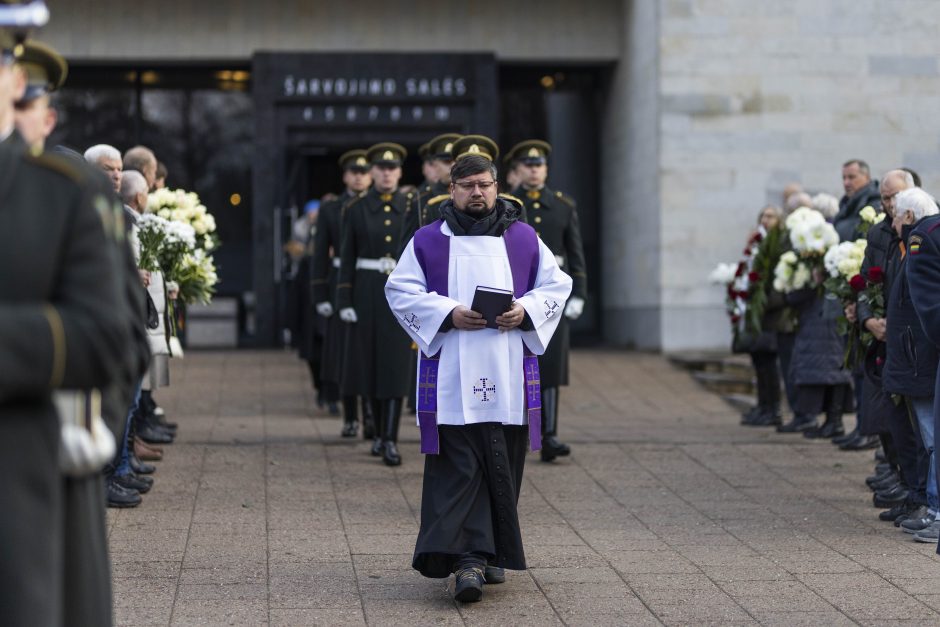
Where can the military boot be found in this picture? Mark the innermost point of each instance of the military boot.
(350, 418)
(551, 446)
(392, 421)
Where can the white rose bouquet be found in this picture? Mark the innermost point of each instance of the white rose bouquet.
(811, 237)
(869, 218)
(181, 206)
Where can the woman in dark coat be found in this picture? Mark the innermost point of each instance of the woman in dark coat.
(824, 385)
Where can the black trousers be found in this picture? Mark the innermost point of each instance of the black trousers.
(468, 501)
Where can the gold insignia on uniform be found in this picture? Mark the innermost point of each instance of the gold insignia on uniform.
(538, 219)
(449, 147)
(533, 193)
(361, 161)
(474, 149)
(388, 155)
(534, 152)
(385, 197)
(536, 205)
(388, 238)
(388, 223)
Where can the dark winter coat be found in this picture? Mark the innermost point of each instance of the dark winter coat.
(911, 364)
(847, 220)
(820, 350)
(883, 250)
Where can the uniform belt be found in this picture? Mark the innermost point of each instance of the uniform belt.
(560, 261)
(385, 265)
(336, 262)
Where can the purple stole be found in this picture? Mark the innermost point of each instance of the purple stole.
(432, 248)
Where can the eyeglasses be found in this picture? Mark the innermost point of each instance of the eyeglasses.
(889, 198)
(484, 186)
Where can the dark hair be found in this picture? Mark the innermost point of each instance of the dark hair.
(862, 166)
(470, 165)
(914, 175)
(161, 170)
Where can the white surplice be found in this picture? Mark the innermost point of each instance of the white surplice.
(480, 375)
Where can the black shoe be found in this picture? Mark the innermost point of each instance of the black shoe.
(918, 520)
(768, 418)
(883, 467)
(848, 437)
(880, 456)
(861, 443)
(552, 448)
(800, 422)
(376, 447)
(886, 484)
(750, 415)
(152, 435)
(494, 575)
(390, 454)
(830, 429)
(139, 467)
(895, 496)
(897, 513)
(468, 587)
(119, 496)
(876, 480)
(133, 482)
(349, 429)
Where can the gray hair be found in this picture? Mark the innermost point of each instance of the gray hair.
(916, 201)
(797, 200)
(826, 204)
(904, 175)
(138, 157)
(862, 166)
(102, 151)
(132, 184)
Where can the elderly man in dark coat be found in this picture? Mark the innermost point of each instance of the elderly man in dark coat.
(860, 192)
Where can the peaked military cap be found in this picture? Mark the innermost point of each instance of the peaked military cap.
(424, 151)
(475, 145)
(442, 147)
(530, 152)
(387, 153)
(354, 160)
(45, 70)
(16, 20)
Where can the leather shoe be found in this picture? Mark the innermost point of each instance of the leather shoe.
(896, 495)
(119, 496)
(800, 422)
(349, 429)
(897, 513)
(828, 430)
(152, 435)
(390, 454)
(494, 575)
(552, 448)
(139, 467)
(376, 447)
(146, 452)
(861, 443)
(886, 484)
(848, 437)
(878, 478)
(468, 587)
(133, 482)
(767, 418)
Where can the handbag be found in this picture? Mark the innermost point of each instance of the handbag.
(754, 342)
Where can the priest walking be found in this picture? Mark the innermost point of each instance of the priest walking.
(478, 389)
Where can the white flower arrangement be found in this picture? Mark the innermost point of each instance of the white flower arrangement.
(792, 273)
(723, 274)
(810, 234)
(845, 260)
(181, 206)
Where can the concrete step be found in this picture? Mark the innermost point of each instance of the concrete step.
(696, 361)
(738, 364)
(724, 383)
(741, 402)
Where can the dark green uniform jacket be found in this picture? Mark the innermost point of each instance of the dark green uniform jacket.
(60, 327)
(378, 355)
(554, 217)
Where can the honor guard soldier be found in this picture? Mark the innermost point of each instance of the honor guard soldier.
(378, 354)
(427, 169)
(326, 261)
(555, 218)
(60, 328)
(438, 162)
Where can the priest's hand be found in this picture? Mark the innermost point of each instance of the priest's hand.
(512, 318)
(466, 319)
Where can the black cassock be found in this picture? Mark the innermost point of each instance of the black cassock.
(468, 502)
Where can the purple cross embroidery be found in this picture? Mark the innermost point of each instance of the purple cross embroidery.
(550, 308)
(428, 385)
(533, 383)
(485, 390)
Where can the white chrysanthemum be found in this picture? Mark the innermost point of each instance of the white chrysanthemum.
(804, 216)
(801, 276)
(723, 274)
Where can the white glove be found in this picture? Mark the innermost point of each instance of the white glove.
(83, 452)
(325, 309)
(574, 308)
(348, 314)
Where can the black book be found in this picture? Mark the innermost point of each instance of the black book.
(491, 302)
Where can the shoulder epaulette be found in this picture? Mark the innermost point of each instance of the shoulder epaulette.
(352, 201)
(568, 200)
(438, 199)
(510, 198)
(57, 164)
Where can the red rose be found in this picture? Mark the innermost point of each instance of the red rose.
(757, 238)
(740, 270)
(747, 251)
(876, 274)
(857, 283)
(735, 319)
(753, 277)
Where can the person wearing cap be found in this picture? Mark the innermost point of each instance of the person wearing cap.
(438, 161)
(60, 328)
(325, 270)
(554, 217)
(379, 352)
(428, 171)
(478, 404)
(45, 72)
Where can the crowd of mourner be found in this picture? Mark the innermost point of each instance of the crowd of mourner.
(828, 300)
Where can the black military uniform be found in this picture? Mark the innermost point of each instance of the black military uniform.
(325, 271)
(378, 354)
(923, 277)
(554, 217)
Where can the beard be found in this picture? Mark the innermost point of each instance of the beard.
(477, 208)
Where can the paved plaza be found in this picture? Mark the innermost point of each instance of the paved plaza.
(667, 512)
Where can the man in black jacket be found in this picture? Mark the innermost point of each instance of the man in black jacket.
(860, 192)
